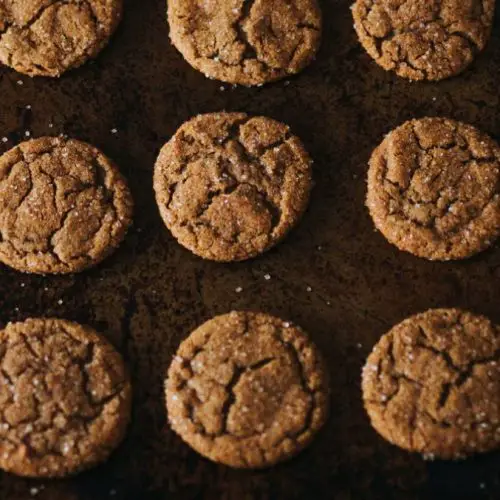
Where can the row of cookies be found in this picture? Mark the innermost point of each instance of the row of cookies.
(230, 187)
(247, 390)
(252, 43)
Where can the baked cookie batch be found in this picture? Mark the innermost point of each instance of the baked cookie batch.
(247, 389)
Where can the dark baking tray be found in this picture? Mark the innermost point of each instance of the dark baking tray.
(334, 275)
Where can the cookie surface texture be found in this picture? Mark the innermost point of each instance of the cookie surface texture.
(49, 37)
(433, 189)
(64, 398)
(64, 206)
(230, 187)
(246, 42)
(432, 383)
(424, 39)
(247, 390)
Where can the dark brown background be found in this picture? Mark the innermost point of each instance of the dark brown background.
(152, 292)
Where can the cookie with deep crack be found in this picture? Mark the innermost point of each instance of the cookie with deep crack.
(432, 384)
(434, 189)
(247, 390)
(424, 39)
(65, 398)
(230, 186)
(49, 37)
(246, 42)
(64, 206)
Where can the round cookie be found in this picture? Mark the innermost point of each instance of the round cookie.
(423, 39)
(432, 384)
(64, 206)
(48, 37)
(65, 398)
(246, 42)
(230, 187)
(247, 390)
(433, 189)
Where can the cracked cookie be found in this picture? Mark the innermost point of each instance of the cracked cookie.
(65, 398)
(247, 390)
(48, 37)
(230, 186)
(246, 42)
(434, 189)
(423, 39)
(64, 206)
(432, 384)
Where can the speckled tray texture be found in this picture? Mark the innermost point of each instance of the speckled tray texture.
(334, 275)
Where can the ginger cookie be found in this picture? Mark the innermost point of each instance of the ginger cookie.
(247, 390)
(433, 189)
(65, 398)
(230, 187)
(48, 37)
(246, 42)
(424, 39)
(64, 206)
(432, 384)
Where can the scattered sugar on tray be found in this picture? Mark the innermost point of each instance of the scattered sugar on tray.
(267, 277)
(20, 82)
(60, 301)
(34, 491)
(27, 133)
(238, 289)
(5, 139)
(114, 131)
(309, 289)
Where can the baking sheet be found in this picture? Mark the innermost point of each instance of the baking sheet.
(333, 275)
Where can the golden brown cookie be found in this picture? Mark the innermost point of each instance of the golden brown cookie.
(424, 39)
(247, 390)
(48, 37)
(246, 42)
(434, 189)
(432, 384)
(64, 398)
(230, 187)
(64, 206)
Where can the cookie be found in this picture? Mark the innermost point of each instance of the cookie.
(230, 187)
(433, 189)
(424, 39)
(432, 384)
(49, 37)
(247, 390)
(64, 206)
(246, 42)
(64, 398)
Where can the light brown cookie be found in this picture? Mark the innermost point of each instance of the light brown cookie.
(247, 390)
(230, 187)
(434, 189)
(64, 398)
(64, 206)
(432, 384)
(424, 39)
(246, 42)
(48, 37)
